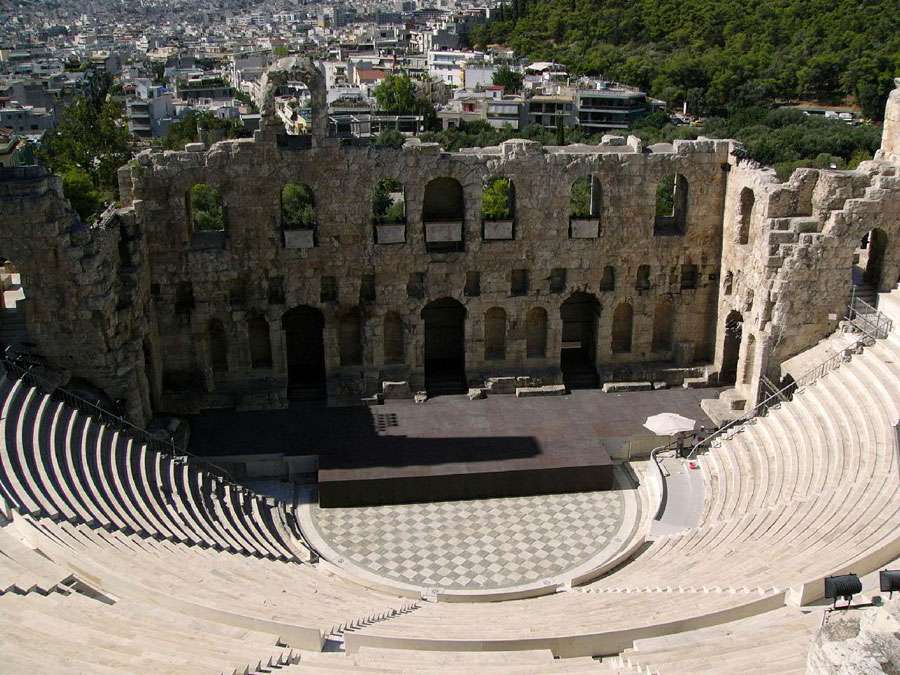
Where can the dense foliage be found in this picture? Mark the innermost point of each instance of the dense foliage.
(715, 54)
(87, 148)
(509, 79)
(496, 200)
(387, 202)
(398, 95)
(201, 126)
(580, 198)
(207, 211)
(298, 209)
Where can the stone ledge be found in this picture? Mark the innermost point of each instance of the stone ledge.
(614, 387)
(546, 390)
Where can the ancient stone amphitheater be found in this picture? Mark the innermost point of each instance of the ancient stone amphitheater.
(119, 553)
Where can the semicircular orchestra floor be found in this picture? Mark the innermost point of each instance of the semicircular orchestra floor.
(483, 544)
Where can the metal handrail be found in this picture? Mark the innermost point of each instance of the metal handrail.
(882, 329)
(143, 436)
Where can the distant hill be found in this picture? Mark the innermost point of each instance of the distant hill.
(716, 54)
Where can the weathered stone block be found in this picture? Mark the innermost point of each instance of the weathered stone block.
(584, 228)
(613, 387)
(390, 234)
(476, 394)
(443, 231)
(546, 390)
(501, 385)
(683, 353)
(396, 390)
(420, 397)
(498, 229)
(299, 238)
(195, 147)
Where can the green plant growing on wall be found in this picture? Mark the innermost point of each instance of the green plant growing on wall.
(207, 211)
(580, 200)
(665, 196)
(496, 201)
(387, 202)
(297, 207)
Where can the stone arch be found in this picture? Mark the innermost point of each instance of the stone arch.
(218, 346)
(580, 315)
(495, 334)
(498, 199)
(642, 280)
(671, 206)
(749, 359)
(876, 251)
(746, 201)
(304, 352)
(350, 338)
(663, 325)
(394, 336)
(622, 328)
(260, 342)
(280, 73)
(445, 346)
(734, 327)
(728, 283)
(443, 201)
(608, 280)
(536, 333)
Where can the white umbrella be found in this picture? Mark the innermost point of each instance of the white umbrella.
(669, 424)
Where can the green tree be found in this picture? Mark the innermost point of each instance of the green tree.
(397, 95)
(496, 200)
(510, 80)
(80, 191)
(387, 202)
(297, 207)
(390, 138)
(93, 138)
(580, 198)
(280, 51)
(207, 211)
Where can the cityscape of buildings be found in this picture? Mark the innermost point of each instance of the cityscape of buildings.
(167, 59)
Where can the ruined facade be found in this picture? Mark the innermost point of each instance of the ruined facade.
(734, 274)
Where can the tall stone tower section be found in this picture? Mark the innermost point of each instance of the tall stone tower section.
(890, 137)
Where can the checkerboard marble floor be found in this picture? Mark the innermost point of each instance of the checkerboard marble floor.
(478, 544)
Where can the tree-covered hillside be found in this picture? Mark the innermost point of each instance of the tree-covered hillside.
(715, 54)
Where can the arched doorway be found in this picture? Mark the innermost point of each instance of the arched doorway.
(305, 351)
(445, 347)
(731, 348)
(577, 359)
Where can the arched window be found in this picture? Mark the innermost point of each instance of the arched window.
(621, 328)
(298, 207)
(608, 280)
(388, 202)
(728, 283)
(663, 325)
(671, 206)
(536, 333)
(443, 215)
(394, 339)
(498, 199)
(260, 342)
(745, 212)
(495, 334)
(642, 281)
(749, 359)
(443, 201)
(350, 338)
(206, 209)
(584, 198)
(218, 346)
